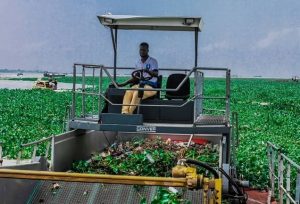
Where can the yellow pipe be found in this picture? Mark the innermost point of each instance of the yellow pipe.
(218, 189)
(93, 178)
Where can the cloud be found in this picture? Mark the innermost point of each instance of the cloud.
(216, 46)
(274, 36)
(38, 45)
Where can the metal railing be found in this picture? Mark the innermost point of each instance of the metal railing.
(280, 173)
(234, 142)
(67, 116)
(98, 71)
(1, 159)
(35, 144)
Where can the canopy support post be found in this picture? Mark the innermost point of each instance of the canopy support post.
(196, 47)
(114, 37)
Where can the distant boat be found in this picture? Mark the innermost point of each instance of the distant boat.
(51, 74)
(295, 78)
(20, 74)
(42, 84)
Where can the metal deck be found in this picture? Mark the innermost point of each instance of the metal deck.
(210, 120)
(75, 192)
(152, 127)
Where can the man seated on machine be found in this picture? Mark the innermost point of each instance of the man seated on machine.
(145, 76)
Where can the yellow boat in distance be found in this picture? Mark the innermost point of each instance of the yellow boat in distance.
(43, 84)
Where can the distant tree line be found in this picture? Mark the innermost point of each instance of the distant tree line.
(19, 70)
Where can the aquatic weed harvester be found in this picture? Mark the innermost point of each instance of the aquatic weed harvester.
(174, 114)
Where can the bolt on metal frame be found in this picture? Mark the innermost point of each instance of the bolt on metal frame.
(282, 162)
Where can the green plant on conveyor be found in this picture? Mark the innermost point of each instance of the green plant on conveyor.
(165, 196)
(149, 157)
(82, 167)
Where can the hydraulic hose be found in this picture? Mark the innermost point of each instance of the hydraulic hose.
(209, 168)
(232, 182)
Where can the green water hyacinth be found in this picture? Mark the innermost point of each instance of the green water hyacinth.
(269, 110)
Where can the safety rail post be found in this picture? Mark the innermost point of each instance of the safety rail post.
(66, 118)
(288, 182)
(235, 125)
(1, 159)
(227, 95)
(201, 91)
(280, 177)
(51, 167)
(272, 170)
(93, 97)
(83, 92)
(198, 92)
(34, 152)
(47, 149)
(100, 93)
(269, 154)
(74, 93)
(19, 156)
(297, 197)
(234, 139)
(67, 127)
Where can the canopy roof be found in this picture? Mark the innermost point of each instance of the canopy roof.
(128, 22)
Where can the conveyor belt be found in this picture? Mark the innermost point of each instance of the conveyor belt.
(77, 192)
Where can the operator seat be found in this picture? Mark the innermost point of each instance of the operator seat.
(162, 114)
(174, 80)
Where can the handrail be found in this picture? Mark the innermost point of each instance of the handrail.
(150, 105)
(145, 89)
(153, 105)
(212, 69)
(274, 151)
(163, 69)
(37, 142)
(291, 161)
(128, 68)
(272, 145)
(198, 97)
(35, 147)
(155, 89)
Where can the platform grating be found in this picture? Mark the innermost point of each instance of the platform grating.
(91, 193)
(210, 120)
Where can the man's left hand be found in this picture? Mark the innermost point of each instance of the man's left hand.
(151, 73)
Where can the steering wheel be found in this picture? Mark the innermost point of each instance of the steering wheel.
(139, 74)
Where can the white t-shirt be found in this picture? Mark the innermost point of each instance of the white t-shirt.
(150, 64)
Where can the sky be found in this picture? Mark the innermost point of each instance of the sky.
(251, 37)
